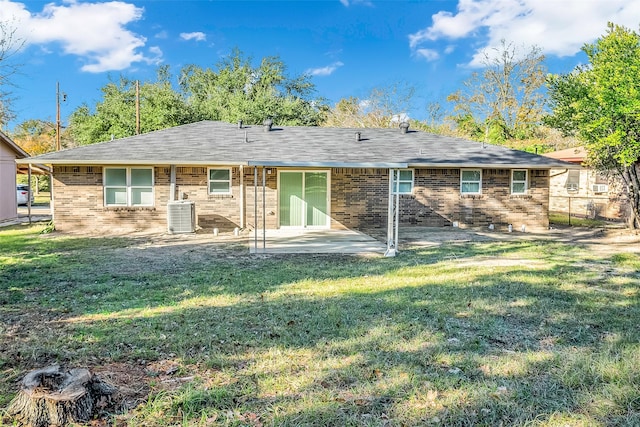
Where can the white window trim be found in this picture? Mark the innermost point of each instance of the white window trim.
(479, 182)
(526, 181)
(304, 171)
(209, 181)
(400, 181)
(129, 187)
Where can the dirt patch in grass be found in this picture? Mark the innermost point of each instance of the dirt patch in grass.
(464, 327)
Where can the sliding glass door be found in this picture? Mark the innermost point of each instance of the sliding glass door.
(304, 199)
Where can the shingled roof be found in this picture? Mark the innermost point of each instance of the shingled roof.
(217, 143)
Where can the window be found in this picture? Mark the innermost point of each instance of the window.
(573, 181)
(220, 181)
(405, 181)
(470, 181)
(128, 187)
(518, 181)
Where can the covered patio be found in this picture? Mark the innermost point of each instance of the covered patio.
(315, 241)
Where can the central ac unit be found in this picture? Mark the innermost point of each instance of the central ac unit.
(181, 217)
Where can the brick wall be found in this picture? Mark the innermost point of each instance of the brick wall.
(78, 200)
(359, 200)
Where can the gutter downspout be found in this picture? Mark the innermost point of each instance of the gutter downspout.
(172, 185)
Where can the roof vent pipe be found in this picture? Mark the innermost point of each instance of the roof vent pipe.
(267, 125)
(404, 127)
(358, 136)
(239, 124)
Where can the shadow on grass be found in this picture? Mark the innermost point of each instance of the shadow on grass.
(334, 340)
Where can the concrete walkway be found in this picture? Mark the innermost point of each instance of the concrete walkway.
(39, 213)
(315, 241)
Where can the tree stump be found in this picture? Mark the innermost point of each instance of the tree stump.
(53, 396)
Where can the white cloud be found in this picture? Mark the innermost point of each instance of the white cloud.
(559, 28)
(347, 3)
(162, 35)
(94, 31)
(428, 54)
(197, 36)
(325, 71)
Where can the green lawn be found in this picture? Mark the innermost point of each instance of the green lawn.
(501, 333)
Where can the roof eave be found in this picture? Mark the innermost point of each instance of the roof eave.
(373, 165)
(493, 166)
(90, 162)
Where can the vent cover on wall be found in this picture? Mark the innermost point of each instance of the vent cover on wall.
(181, 217)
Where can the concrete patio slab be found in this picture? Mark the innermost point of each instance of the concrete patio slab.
(315, 241)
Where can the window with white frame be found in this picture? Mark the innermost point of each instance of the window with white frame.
(471, 181)
(128, 186)
(573, 181)
(219, 181)
(404, 184)
(519, 181)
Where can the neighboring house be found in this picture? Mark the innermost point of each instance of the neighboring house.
(9, 152)
(298, 177)
(584, 192)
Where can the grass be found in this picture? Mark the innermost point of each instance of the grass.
(446, 335)
(559, 218)
(41, 198)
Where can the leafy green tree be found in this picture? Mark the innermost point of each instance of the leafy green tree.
(505, 100)
(600, 104)
(35, 136)
(238, 90)
(161, 106)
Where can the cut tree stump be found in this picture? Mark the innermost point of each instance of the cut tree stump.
(53, 396)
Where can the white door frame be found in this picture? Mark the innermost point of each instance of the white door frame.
(328, 213)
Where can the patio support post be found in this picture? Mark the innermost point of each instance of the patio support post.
(255, 209)
(264, 210)
(242, 201)
(51, 198)
(397, 219)
(29, 195)
(392, 217)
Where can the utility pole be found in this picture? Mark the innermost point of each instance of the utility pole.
(57, 116)
(64, 99)
(137, 107)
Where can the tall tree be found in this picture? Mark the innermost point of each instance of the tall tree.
(238, 90)
(383, 107)
(10, 45)
(600, 103)
(505, 100)
(161, 106)
(35, 136)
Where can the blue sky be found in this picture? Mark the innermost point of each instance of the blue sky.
(348, 46)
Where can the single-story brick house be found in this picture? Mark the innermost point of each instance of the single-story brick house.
(584, 192)
(308, 177)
